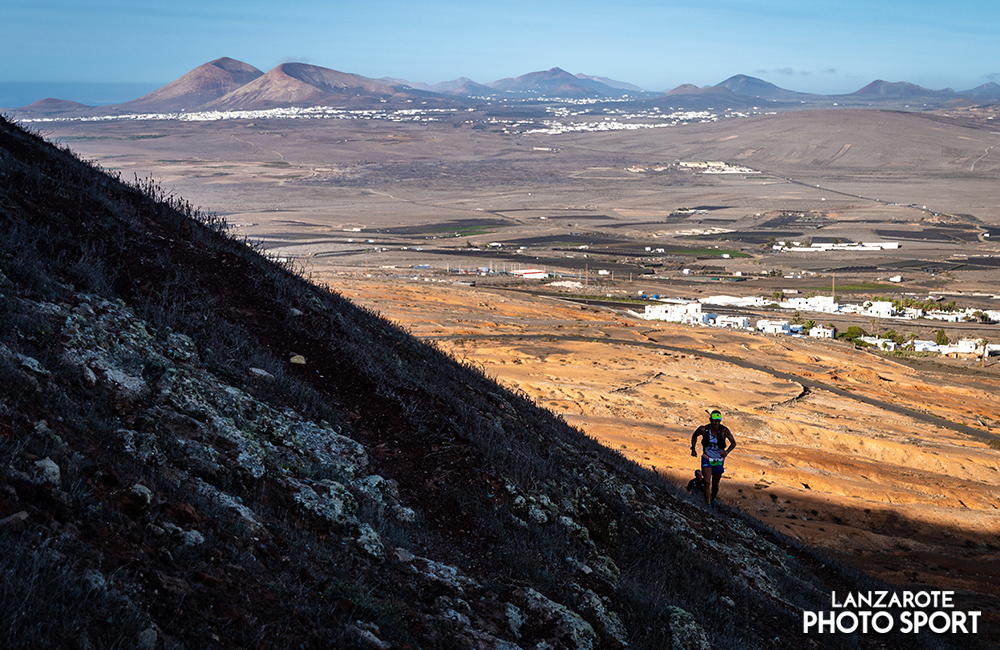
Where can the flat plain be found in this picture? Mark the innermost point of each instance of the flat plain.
(836, 447)
(366, 192)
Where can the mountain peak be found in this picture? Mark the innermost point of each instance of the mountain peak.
(748, 86)
(903, 89)
(50, 105)
(297, 84)
(555, 82)
(202, 85)
(988, 89)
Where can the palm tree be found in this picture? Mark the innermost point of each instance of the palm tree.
(984, 343)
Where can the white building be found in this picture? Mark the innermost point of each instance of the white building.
(824, 304)
(880, 309)
(963, 346)
(733, 322)
(774, 326)
(882, 344)
(820, 332)
(946, 316)
(675, 311)
(699, 319)
(531, 274)
(735, 301)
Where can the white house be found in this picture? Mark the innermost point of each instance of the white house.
(825, 304)
(882, 344)
(774, 326)
(963, 346)
(820, 332)
(675, 311)
(733, 322)
(880, 309)
(699, 319)
(946, 316)
(735, 301)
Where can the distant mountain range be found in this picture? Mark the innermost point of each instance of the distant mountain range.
(227, 84)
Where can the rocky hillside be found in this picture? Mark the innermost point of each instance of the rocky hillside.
(201, 449)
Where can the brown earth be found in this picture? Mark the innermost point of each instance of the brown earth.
(895, 496)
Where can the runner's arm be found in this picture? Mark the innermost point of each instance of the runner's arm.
(732, 442)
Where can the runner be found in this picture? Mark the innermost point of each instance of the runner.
(713, 458)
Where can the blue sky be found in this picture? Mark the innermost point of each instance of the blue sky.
(835, 46)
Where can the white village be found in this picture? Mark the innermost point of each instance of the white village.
(693, 312)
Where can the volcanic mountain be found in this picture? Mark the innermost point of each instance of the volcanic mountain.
(988, 89)
(691, 89)
(742, 84)
(613, 83)
(555, 83)
(301, 84)
(202, 85)
(463, 86)
(396, 82)
(879, 88)
(50, 106)
(691, 97)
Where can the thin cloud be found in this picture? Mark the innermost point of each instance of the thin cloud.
(993, 76)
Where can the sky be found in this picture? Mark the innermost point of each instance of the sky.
(116, 50)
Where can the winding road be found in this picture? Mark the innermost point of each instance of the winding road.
(808, 384)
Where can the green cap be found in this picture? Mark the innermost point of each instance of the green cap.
(715, 416)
